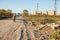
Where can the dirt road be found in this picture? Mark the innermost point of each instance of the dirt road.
(19, 30)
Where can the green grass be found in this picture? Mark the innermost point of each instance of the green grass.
(46, 19)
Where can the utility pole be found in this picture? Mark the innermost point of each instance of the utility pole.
(55, 7)
(37, 6)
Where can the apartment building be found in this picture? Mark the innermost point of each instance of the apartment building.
(51, 12)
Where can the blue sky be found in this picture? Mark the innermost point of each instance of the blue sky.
(19, 5)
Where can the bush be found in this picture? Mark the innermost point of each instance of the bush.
(5, 14)
(55, 35)
(25, 13)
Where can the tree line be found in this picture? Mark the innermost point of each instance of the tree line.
(5, 13)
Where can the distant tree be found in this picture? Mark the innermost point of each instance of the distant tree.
(5, 13)
(19, 14)
(25, 13)
(9, 12)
